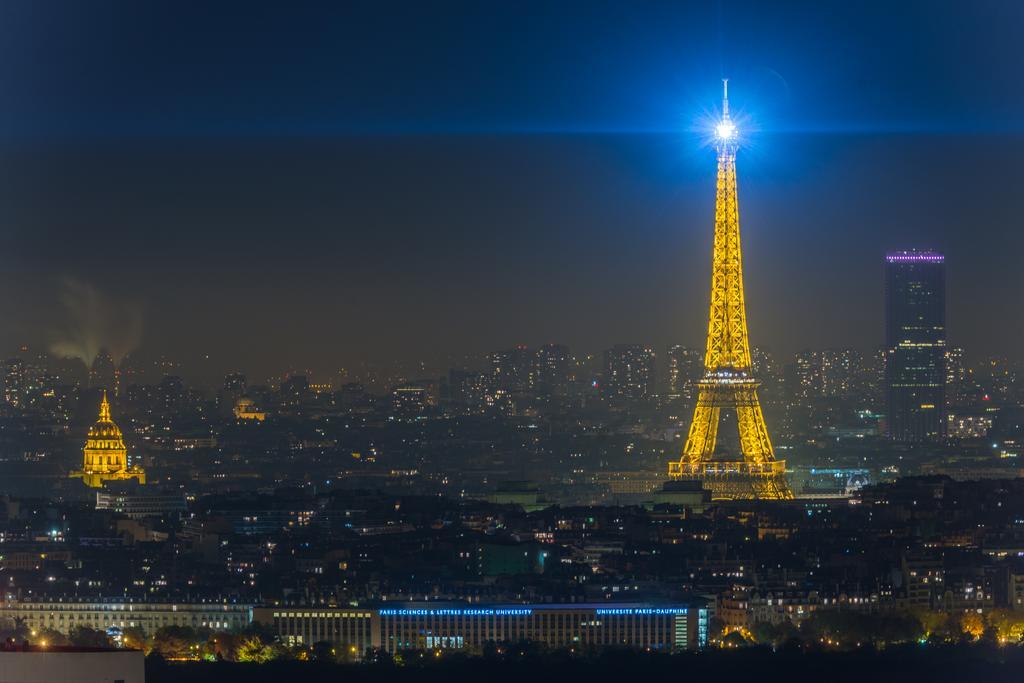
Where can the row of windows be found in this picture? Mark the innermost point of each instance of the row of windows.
(139, 608)
(324, 615)
(335, 629)
(154, 621)
(555, 629)
(438, 629)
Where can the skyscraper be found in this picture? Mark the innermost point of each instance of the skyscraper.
(469, 390)
(553, 370)
(410, 400)
(685, 367)
(828, 373)
(956, 376)
(513, 370)
(915, 341)
(806, 376)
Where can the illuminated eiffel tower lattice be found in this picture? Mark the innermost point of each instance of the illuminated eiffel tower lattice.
(728, 382)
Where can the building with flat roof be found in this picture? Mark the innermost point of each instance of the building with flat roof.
(137, 505)
(915, 339)
(350, 628)
(628, 372)
(21, 664)
(436, 625)
(104, 614)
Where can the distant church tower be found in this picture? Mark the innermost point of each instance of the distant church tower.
(106, 456)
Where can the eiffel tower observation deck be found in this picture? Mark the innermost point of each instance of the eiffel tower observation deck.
(728, 385)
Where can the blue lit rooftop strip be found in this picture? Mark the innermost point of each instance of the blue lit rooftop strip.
(602, 608)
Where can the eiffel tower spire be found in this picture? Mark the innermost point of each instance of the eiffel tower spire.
(728, 380)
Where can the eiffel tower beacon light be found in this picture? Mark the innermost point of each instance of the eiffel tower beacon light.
(728, 382)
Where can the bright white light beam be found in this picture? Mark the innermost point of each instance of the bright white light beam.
(726, 129)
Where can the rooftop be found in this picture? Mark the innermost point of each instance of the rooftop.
(914, 256)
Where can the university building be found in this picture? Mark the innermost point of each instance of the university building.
(419, 626)
(105, 614)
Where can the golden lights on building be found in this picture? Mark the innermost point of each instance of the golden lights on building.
(728, 381)
(245, 409)
(105, 455)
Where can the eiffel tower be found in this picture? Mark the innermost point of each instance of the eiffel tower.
(728, 381)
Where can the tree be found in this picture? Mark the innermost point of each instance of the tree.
(766, 633)
(932, 623)
(936, 627)
(323, 651)
(48, 637)
(896, 627)
(84, 636)
(176, 642)
(253, 649)
(13, 629)
(1008, 625)
(716, 627)
(736, 639)
(972, 625)
(134, 638)
(220, 645)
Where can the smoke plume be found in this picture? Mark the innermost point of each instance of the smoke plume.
(93, 320)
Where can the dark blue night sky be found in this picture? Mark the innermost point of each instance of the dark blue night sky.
(312, 184)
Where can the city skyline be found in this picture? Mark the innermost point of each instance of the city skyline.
(575, 340)
(304, 237)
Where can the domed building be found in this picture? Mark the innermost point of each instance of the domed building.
(106, 456)
(245, 409)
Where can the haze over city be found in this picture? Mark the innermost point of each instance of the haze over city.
(319, 188)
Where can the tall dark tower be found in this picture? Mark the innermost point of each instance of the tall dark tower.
(915, 345)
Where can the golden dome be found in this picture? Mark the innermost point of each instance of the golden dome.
(245, 409)
(105, 455)
(105, 428)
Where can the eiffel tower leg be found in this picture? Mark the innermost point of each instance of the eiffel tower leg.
(754, 442)
(757, 447)
(700, 441)
(772, 487)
